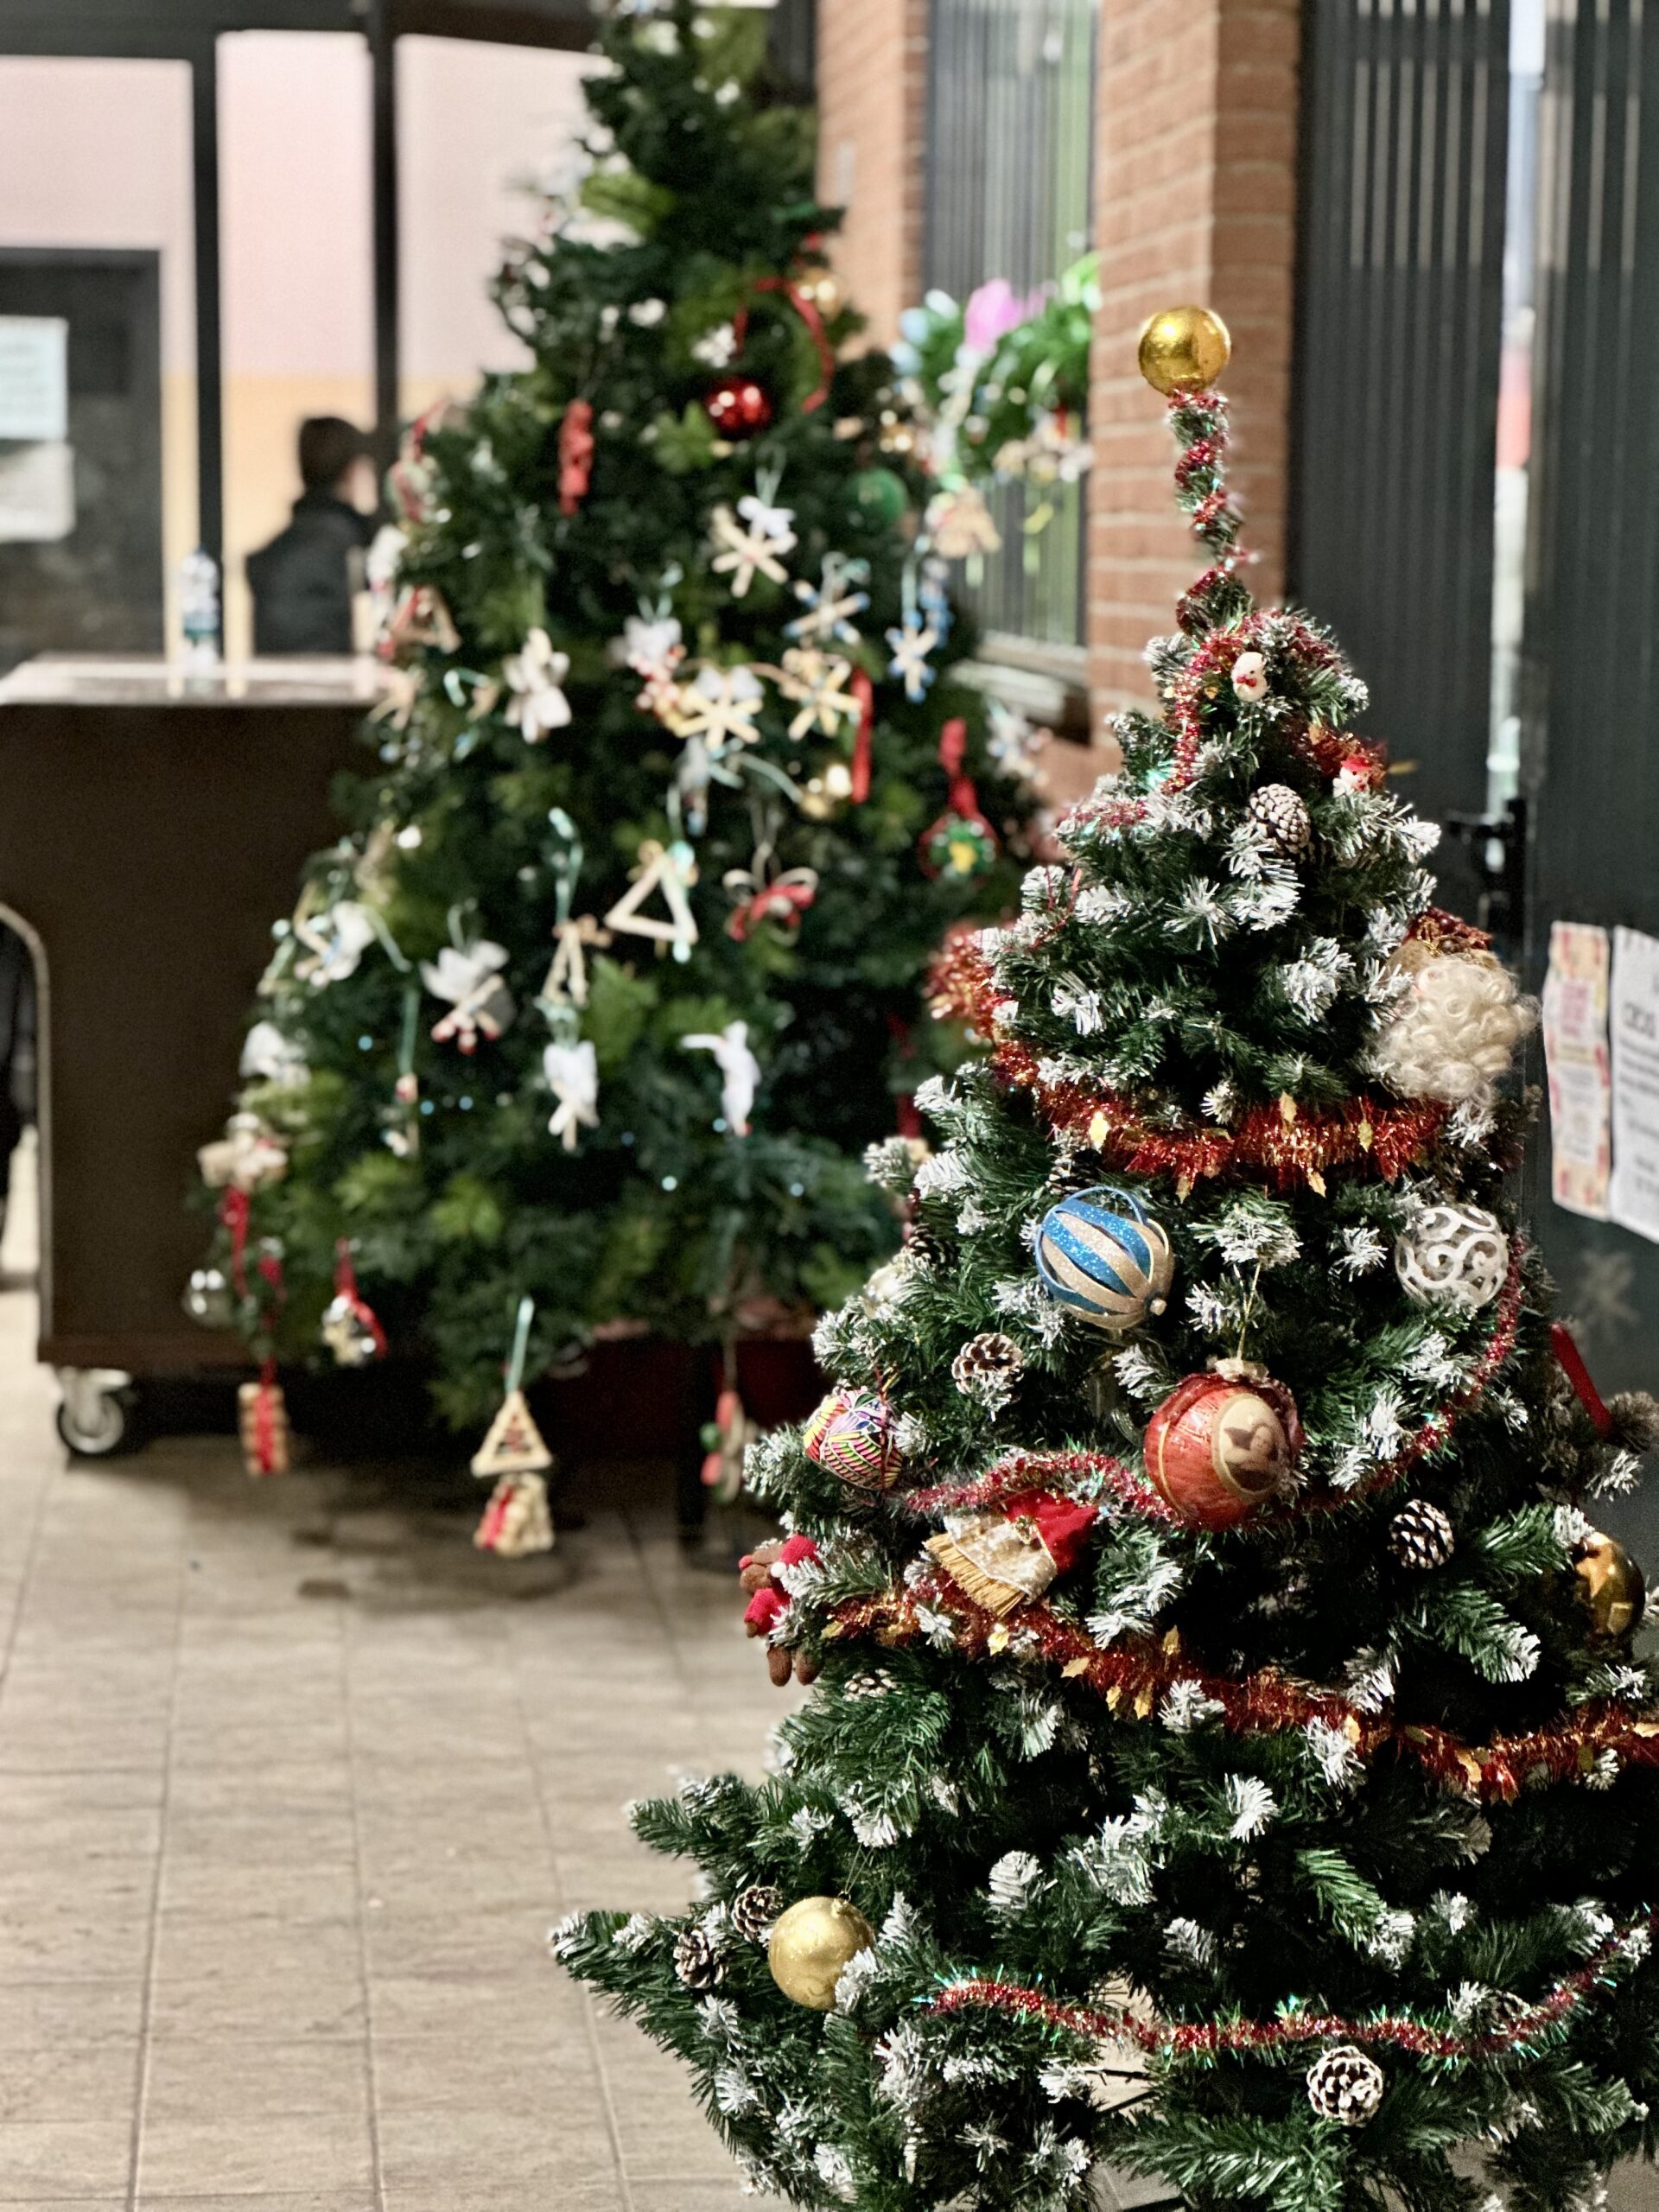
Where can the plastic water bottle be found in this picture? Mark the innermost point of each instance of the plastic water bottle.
(199, 609)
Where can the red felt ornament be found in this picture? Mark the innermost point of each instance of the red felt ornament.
(575, 455)
(1221, 1443)
(962, 843)
(737, 406)
(1006, 1559)
(764, 1587)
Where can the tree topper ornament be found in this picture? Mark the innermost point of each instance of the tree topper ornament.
(738, 1069)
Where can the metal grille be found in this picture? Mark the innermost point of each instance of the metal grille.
(1011, 102)
(1395, 410)
(1591, 688)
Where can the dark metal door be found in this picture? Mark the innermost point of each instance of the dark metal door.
(1591, 693)
(99, 589)
(1405, 116)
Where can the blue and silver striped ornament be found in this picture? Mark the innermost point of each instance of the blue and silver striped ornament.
(1099, 1254)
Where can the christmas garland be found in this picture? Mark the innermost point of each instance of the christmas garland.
(1209, 2039)
(1287, 1143)
(1133, 1675)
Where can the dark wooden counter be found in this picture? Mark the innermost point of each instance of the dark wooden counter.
(152, 828)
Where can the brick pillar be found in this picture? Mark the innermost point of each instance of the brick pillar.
(1195, 201)
(872, 149)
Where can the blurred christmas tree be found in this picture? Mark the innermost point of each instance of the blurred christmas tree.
(1229, 1759)
(622, 962)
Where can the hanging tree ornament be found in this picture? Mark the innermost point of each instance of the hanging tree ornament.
(572, 1075)
(575, 455)
(1345, 2084)
(959, 524)
(811, 1944)
(817, 683)
(832, 605)
(349, 1328)
(737, 407)
(466, 973)
(565, 984)
(1282, 816)
(765, 893)
(269, 1057)
(1455, 1252)
(1455, 1032)
(671, 870)
(740, 1071)
(248, 1157)
(1221, 1443)
(262, 1424)
(207, 1298)
(753, 547)
(1004, 1559)
(962, 843)
(401, 1130)
(535, 677)
(1611, 1586)
(335, 941)
(851, 1436)
(1103, 1257)
(726, 1440)
(987, 1368)
(1251, 678)
(910, 643)
(719, 706)
(653, 645)
(517, 1520)
(1421, 1536)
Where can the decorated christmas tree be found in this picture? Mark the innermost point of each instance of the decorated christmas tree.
(622, 962)
(1227, 1759)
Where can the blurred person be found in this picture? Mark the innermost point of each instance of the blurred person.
(302, 582)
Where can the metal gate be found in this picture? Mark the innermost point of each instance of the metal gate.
(1591, 689)
(1405, 111)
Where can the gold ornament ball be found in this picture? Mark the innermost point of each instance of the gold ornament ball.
(1183, 349)
(808, 1945)
(1611, 1585)
(824, 289)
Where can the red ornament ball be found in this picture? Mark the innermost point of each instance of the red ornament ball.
(737, 406)
(1220, 1443)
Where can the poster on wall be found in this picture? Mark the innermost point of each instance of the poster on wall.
(1633, 1194)
(1579, 1062)
(34, 378)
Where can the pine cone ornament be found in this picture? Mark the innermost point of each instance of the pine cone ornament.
(754, 1909)
(697, 1962)
(1278, 812)
(927, 1249)
(1345, 2084)
(987, 1367)
(1419, 1535)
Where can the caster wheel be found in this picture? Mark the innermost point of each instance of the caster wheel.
(97, 1416)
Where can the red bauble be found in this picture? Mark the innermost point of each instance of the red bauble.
(1220, 1443)
(737, 406)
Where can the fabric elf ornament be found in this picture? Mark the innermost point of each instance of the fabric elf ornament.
(962, 843)
(1005, 1559)
(518, 1520)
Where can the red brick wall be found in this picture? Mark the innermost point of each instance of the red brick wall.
(872, 148)
(1195, 201)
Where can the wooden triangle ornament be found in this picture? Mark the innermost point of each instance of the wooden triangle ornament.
(514, 1444)
(669, 870)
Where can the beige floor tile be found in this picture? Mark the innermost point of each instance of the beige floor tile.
(201, 2078)
(235, 2155)
(46, 2160)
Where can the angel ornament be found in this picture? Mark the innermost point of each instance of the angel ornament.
(481, 1005)
(740, 1071)
(334, 940)
(572, 1075)
(535, 677)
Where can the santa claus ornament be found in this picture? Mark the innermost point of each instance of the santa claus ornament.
(1008, 1559)
(1221, 1443)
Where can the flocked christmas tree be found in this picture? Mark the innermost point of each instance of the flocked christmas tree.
(623, 962)
(1228, 1759)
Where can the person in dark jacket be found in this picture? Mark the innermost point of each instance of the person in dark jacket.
(303, 581)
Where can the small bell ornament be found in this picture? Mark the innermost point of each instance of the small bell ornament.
(1221, 1443)
(1103, 1257)
(850, 1435)
(1281, 816)
(809, 1946)
(1454, 1253)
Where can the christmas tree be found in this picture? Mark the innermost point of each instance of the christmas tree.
(622, 962)
(1227, 1759)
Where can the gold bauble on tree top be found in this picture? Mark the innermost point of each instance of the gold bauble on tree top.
(1611, 1585)
(1183, 349)
(810, 1944)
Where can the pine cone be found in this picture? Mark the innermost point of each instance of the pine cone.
(928, 1249)
(697, 1962)
(1345, 2084)
(988, 1367)
(1279, 813)
(754, 1909)
(868, 1684)
(1420, 1535)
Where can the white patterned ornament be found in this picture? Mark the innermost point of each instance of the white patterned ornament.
(1455, 1255)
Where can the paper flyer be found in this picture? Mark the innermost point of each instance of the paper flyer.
(1581, 1078)
(1633, 1195)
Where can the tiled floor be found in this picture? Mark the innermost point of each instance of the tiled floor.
(290, 1789)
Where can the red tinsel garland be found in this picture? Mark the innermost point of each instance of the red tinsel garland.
(1132, 1674)
(1287, 1146)
(1211, 2039)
